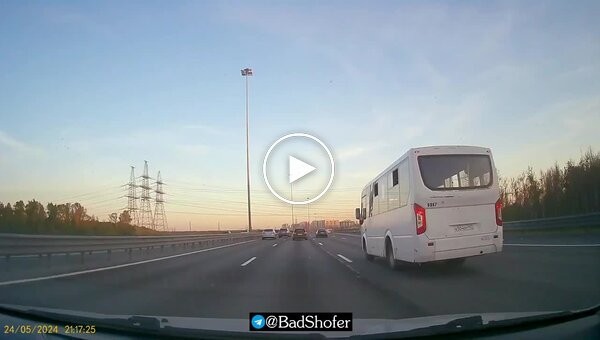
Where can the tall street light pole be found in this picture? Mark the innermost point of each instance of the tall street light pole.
(308, 214)
(292, 198)
(247, 72)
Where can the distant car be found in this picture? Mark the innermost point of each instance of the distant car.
(283, 232)
(269, 234)
(321, 233)
(329, 231)
(299, 234)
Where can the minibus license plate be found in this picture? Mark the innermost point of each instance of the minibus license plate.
(463, 227)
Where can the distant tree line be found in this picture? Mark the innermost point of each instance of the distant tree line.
(572, 189)
(67, 218)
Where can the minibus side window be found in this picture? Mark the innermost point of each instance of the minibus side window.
(375, 198)
(403, 183)
(393, 190)
(370, 201)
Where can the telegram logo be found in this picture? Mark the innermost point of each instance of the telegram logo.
(298, 168)
(258, 322)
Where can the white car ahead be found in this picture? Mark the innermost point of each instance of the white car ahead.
(269, 233)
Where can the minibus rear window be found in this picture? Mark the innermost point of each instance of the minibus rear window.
(455, 172)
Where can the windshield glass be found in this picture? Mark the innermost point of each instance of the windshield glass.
(428, 158)
(455, 172)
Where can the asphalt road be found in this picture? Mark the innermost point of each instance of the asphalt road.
(329, 275)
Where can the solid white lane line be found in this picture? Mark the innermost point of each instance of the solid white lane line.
(247, 262)
(344, 258)
(320, 243)
(551, 245)
(65, 254)
(42, 278)
(343, 238)
(275, 245)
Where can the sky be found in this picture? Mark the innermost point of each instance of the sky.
(88, 89)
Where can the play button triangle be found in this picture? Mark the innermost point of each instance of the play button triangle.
(299, 169)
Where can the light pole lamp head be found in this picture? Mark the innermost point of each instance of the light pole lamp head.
(246, 72)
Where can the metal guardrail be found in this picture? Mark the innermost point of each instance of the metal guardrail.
(20, 244)
(570, 221)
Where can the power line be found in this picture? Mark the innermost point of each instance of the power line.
(99, 192)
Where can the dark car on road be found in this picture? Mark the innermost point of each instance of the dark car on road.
(299, 234)
(321, 233)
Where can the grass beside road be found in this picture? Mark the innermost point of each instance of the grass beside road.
(92, 229)
(555, 231)
(112, 230)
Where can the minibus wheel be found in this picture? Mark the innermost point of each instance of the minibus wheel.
(368, 256)
(389, 255)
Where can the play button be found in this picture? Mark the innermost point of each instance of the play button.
(298, 168)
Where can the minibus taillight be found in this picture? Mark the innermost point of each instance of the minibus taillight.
(498, 208)
(420, 218)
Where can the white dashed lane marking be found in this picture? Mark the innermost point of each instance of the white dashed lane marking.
(248, 262)
(344, 258)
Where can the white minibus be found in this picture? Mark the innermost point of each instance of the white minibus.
(434, 203)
